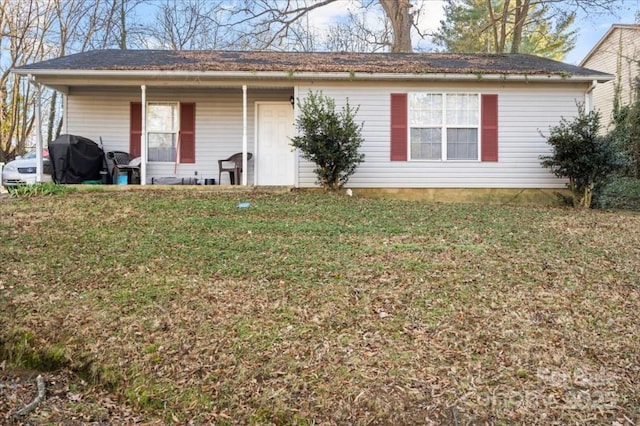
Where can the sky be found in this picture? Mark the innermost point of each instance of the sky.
(590, 27)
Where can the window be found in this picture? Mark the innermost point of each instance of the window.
(163, 125)
(444, 126)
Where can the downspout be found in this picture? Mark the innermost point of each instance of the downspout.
(588, 97)
(39, 144)
(143, 138)
(245, 160)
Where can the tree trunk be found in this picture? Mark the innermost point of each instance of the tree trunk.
(52, 117)
(123, 26)
(503, 27)
(521, 13)
(398, 13)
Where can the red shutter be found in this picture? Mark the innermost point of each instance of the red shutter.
(188, 133)
(489, 127)
(399, 126)
(135, 128)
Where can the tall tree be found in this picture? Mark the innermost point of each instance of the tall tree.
(506, 26)
(357, 34)
(266, 24)
(186, 24)
(23, 26)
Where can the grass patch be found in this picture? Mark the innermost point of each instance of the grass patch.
(311, 308)
(39, 189)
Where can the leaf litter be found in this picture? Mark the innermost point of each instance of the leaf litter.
(320, 309)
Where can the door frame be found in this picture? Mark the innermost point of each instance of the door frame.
(256, 132)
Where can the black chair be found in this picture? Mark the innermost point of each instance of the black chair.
(232, 165)
(124, 164)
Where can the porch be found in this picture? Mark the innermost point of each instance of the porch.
(181, 132)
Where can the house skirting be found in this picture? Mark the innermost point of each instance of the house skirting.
(521, 196)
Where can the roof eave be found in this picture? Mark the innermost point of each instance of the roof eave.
(199, 76)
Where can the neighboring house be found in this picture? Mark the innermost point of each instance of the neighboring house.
(617, 53)
(431, 121)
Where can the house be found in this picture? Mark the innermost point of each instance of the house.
(434, 124)
(617, 53)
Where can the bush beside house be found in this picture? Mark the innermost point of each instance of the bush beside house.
(329, 139)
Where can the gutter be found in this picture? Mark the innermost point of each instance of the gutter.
(198, 76)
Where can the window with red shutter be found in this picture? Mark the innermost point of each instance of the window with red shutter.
(164, 143)
(444, 126)
(135, 128)
(188, 133)
(399, 126)
(489, 127)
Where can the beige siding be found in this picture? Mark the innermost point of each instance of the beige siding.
(104, 114)
(618, 53)
(524, 111)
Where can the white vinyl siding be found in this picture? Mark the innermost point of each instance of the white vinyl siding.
(524, 110)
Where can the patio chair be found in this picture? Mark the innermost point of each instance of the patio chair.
(233, 166)
(123, 163)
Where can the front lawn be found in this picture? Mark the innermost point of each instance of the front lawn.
(321, 309)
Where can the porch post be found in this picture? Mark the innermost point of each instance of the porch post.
(143, 138)
(38, 119)
(244, 136)
(296, 109)
(65, 113)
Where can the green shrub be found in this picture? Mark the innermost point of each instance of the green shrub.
(620, 193)
(584, 156)
(329, 139)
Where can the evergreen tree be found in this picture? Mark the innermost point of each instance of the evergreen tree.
(499, 26)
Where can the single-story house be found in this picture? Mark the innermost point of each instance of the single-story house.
(432, 121)
(617, 53)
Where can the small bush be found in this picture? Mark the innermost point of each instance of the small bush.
(619, 193)
(329, 139)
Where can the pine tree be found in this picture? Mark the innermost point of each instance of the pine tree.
(500, 26)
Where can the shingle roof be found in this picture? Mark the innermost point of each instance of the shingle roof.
(326, 62)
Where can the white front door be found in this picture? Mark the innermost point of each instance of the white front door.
(275, 157)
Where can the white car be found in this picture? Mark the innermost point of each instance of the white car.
(22, 170)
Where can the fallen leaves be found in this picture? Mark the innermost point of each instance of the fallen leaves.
(334, 310)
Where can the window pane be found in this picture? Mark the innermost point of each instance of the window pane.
(462, 110)
(462, 144)
(162, 117)
(425, 109)
(426, 144)
(162, 147)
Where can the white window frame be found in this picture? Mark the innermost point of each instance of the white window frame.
(176, 131)
(444, 126)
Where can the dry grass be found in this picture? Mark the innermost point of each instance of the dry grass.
(312, 309)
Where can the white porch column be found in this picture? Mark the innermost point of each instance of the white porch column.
(65, 113)
(296, 109)
(38, 124)
(143, 138)
(245, 160)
